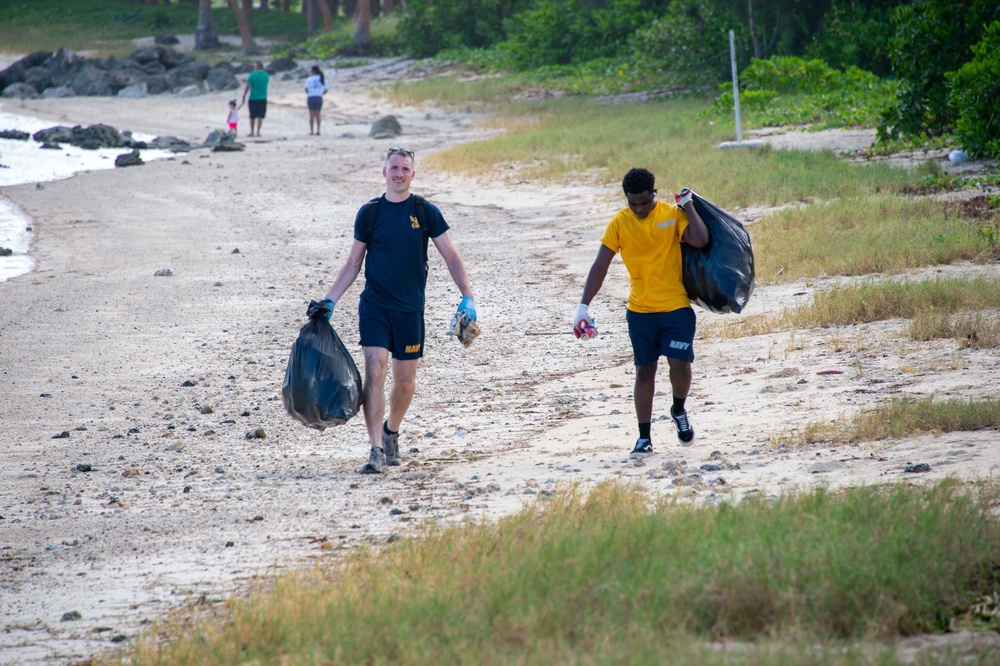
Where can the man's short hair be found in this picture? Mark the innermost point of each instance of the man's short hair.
(638, 180)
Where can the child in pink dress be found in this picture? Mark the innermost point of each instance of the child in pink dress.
(234, 116)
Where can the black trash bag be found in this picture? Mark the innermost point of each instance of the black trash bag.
(322, 386)
(719, 277)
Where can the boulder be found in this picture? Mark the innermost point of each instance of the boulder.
(93, 80)
(58, 91)
(166, 40)
(129, 159)
(58, 134)
(171, 143)
(385, 127)
(19, 91)
(38, 78)
(14, 135)
(228, 147)
(220, 78)
(280, 65)
(15, 73)
(134, 91)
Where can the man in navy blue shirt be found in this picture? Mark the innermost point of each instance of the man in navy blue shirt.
(391, 309)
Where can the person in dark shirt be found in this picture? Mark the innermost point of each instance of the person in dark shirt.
(391, 308)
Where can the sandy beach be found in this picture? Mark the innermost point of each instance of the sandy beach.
(130, 486)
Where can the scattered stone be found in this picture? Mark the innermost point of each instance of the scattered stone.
(386, 127)
(166, 40)
(120, 638)
(919, 468)
(129, 159)
(71, 616)
(48, 145)
(84, 467)
(6, 252)
(63, 435)
(189, 383)
(236, 250)
(257, 433)
(709, 467)
(396, 512)
(14, 135)
(130, 473)
(163, 272)
(206, 409)
(228, 147)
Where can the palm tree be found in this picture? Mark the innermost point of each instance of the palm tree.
(249, 45)
(204, 36)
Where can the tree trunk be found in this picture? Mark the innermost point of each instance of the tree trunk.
(363, 24)
(249, 46)
(263, 6)
(204, 35)
(753, 31)
(247, 8)
(327, 17)
(312, 15)
(387, 7)
(287, 6)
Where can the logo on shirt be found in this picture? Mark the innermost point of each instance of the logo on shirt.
(675, 344)
(665, 224)
(414, 222)
(412, 349)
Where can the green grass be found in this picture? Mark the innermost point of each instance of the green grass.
(858, 235)
(107, 26)
(961, 308)
(900, 417)
(611, 577)
(563, 140)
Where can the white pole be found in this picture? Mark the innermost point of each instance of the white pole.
(736, 86)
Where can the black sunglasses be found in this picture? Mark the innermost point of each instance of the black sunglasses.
(399, 151)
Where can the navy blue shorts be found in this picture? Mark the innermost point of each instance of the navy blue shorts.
(402, 333)
(258, 108)
(314, 103)
(656, 334)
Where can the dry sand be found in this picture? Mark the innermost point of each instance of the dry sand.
(179, 505)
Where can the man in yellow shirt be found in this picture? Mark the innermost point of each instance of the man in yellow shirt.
(661, 322)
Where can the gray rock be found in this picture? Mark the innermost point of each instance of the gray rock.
(15, 135)
(386, 127)
(919, 468)
(58, 92)
(129, 159)
(220, 78)
(280, 65)
(228, 147)
(189, 91)
(19, 91)
(134, 91)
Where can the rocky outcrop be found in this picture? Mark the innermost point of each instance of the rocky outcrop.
(153, 70)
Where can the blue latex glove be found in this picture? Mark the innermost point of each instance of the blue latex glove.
(469, 306)
(324, 307)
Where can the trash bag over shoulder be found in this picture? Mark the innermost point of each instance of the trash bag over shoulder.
(719, 277)
(322, 384)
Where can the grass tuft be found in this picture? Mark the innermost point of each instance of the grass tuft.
(612, 576)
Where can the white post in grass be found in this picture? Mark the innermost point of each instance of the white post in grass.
(736, 100)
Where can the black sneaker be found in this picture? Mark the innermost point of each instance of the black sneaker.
(390, 444)
(685, 432)
(643, 448)
(376, 462)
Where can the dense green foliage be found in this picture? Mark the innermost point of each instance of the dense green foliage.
(932, 38)
(975, 97)
(854, 34)
(430, 27)
(789, 91)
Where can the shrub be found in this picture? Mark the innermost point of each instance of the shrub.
(428, 27)
(687, 45)
(974, 94)
(932, 38)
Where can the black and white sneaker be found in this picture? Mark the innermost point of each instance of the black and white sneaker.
(685, 432)
(643, 448)
(376, 462)
(390, 444)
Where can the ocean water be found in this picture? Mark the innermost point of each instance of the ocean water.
(25, 162)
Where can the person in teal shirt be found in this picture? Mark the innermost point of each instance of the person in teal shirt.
(257, 89)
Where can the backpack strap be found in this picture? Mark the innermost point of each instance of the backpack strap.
(370, 214)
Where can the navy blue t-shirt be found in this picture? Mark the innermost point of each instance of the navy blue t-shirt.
(395, 276)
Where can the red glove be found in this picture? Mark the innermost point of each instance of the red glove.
(683, 198)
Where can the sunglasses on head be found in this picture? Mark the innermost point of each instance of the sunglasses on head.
(399, 151)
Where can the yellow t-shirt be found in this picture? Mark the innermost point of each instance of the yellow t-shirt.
(651, 250)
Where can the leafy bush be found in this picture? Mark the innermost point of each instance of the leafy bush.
(932, 38)
(974, 94)
(853, 34)
(687, 45)
(430, 26)
(560, 32)
(791, 91)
